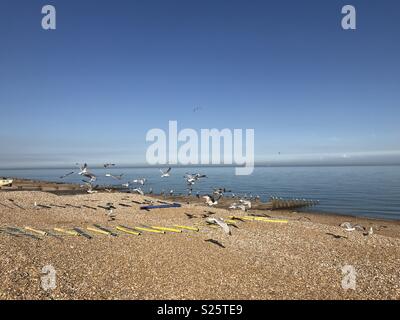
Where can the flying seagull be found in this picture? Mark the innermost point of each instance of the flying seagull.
(141, 181)
(165, 173)
(84, 172)
(108, 165)
(118, 177)
(220, 222)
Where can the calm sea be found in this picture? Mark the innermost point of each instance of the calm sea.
(371, 191)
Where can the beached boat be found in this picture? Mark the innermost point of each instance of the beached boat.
(4, 182)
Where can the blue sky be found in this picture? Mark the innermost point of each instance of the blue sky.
(112, 70)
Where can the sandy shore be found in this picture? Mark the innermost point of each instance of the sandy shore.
(300, 259)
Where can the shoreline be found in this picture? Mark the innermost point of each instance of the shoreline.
(62, 188)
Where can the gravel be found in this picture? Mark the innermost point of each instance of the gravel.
(297, 260)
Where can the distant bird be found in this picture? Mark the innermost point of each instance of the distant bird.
(108, 165)
(221, 191)
(192, 178)
(190, 216)
(141, 181)
(210, 200)
(171, 192)
(235, 206)
(126, 185)
(220, 222)
(66, 175)
(84, 172)
(151, 191)
(90, 189)
(118, 177)
(111, 215)
(165, 173)
(195, 109)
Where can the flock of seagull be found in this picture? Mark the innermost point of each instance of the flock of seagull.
(191, 180)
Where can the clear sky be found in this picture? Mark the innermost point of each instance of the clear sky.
(112, 70)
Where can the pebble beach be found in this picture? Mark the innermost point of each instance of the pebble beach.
(288, 255)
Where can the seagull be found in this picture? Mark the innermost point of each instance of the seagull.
(192, 178)
(195, 109)
(66, 175)
(139, 191)
(90, 189)
(369, 233)
(349, 227)
(221, 191)
(84, 172)
(165, 173)
(235, 206)
(220, 222)
(141, 181)
(108, 165)
(119, 177)
(210, 200)
(245, 203)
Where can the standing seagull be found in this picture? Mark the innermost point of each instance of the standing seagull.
(165, 173)
(210, 200)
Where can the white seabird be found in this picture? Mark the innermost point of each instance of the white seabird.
(221, 223)
(165, 173)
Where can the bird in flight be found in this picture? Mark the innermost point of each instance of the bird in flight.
(141, 181)
(118, 177)
(220, 222)
(85, 172)
(165, 173)
(108, 165)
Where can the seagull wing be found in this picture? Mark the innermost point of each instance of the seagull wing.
(223, 225)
